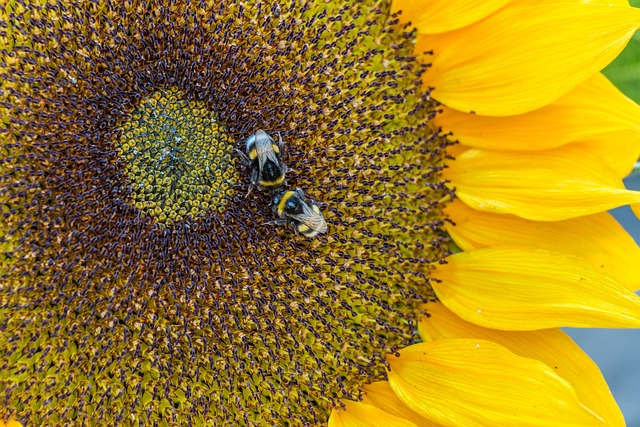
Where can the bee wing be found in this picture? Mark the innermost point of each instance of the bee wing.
(265, 151)
(311, 218)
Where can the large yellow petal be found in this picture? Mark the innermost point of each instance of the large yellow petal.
(472, 382)
(431, 17)
(548, 185)
(598, 239)
(593, 108)
(551, 346)
(525, 55)
(358, 414)
(380, 395)
(524, 290)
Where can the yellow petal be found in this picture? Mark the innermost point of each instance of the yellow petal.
(636, 209)
(550, 346)
(593, 108)
(472, 382)
(524, 290)
(525, 55)
(604, 2)
(358, 414)
(548, 185)
(10, 423)
(455, 150)
(380, 395)
(598, 239)
(431, 17)
(619, 150)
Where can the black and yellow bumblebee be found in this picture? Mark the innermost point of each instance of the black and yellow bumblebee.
(295, 208)
(264, 156)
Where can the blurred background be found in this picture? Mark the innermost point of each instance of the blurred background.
(616, 351)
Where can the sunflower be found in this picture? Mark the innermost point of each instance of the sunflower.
(142, 285)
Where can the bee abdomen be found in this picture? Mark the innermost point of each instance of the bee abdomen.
(271, 174)
(305, 230)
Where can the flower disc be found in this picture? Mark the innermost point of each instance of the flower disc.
(140, 287)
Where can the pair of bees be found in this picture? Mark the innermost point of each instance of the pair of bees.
(268, 171)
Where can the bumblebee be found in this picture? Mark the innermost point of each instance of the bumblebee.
(295, 208)
(264, 156)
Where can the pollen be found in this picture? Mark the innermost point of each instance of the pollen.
(178, 159)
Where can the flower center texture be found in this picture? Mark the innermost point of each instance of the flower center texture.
(140, 282)
(178, 158)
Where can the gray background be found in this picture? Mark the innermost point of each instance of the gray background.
(616, 350)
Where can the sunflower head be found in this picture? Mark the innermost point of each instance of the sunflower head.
(140, 283)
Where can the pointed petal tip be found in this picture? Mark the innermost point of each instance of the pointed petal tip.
(550, 346)
(458, 381)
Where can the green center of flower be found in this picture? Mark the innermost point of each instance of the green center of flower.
(178, 158)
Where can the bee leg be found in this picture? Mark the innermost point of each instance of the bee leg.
(278, 222)
(280, 143)
(255, 176)
(243, 158)
(283, 153)
(284, 168)
(251, 187)
(254, 179)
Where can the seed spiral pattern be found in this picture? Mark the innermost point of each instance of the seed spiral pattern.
(112, 317)
(178, 158)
